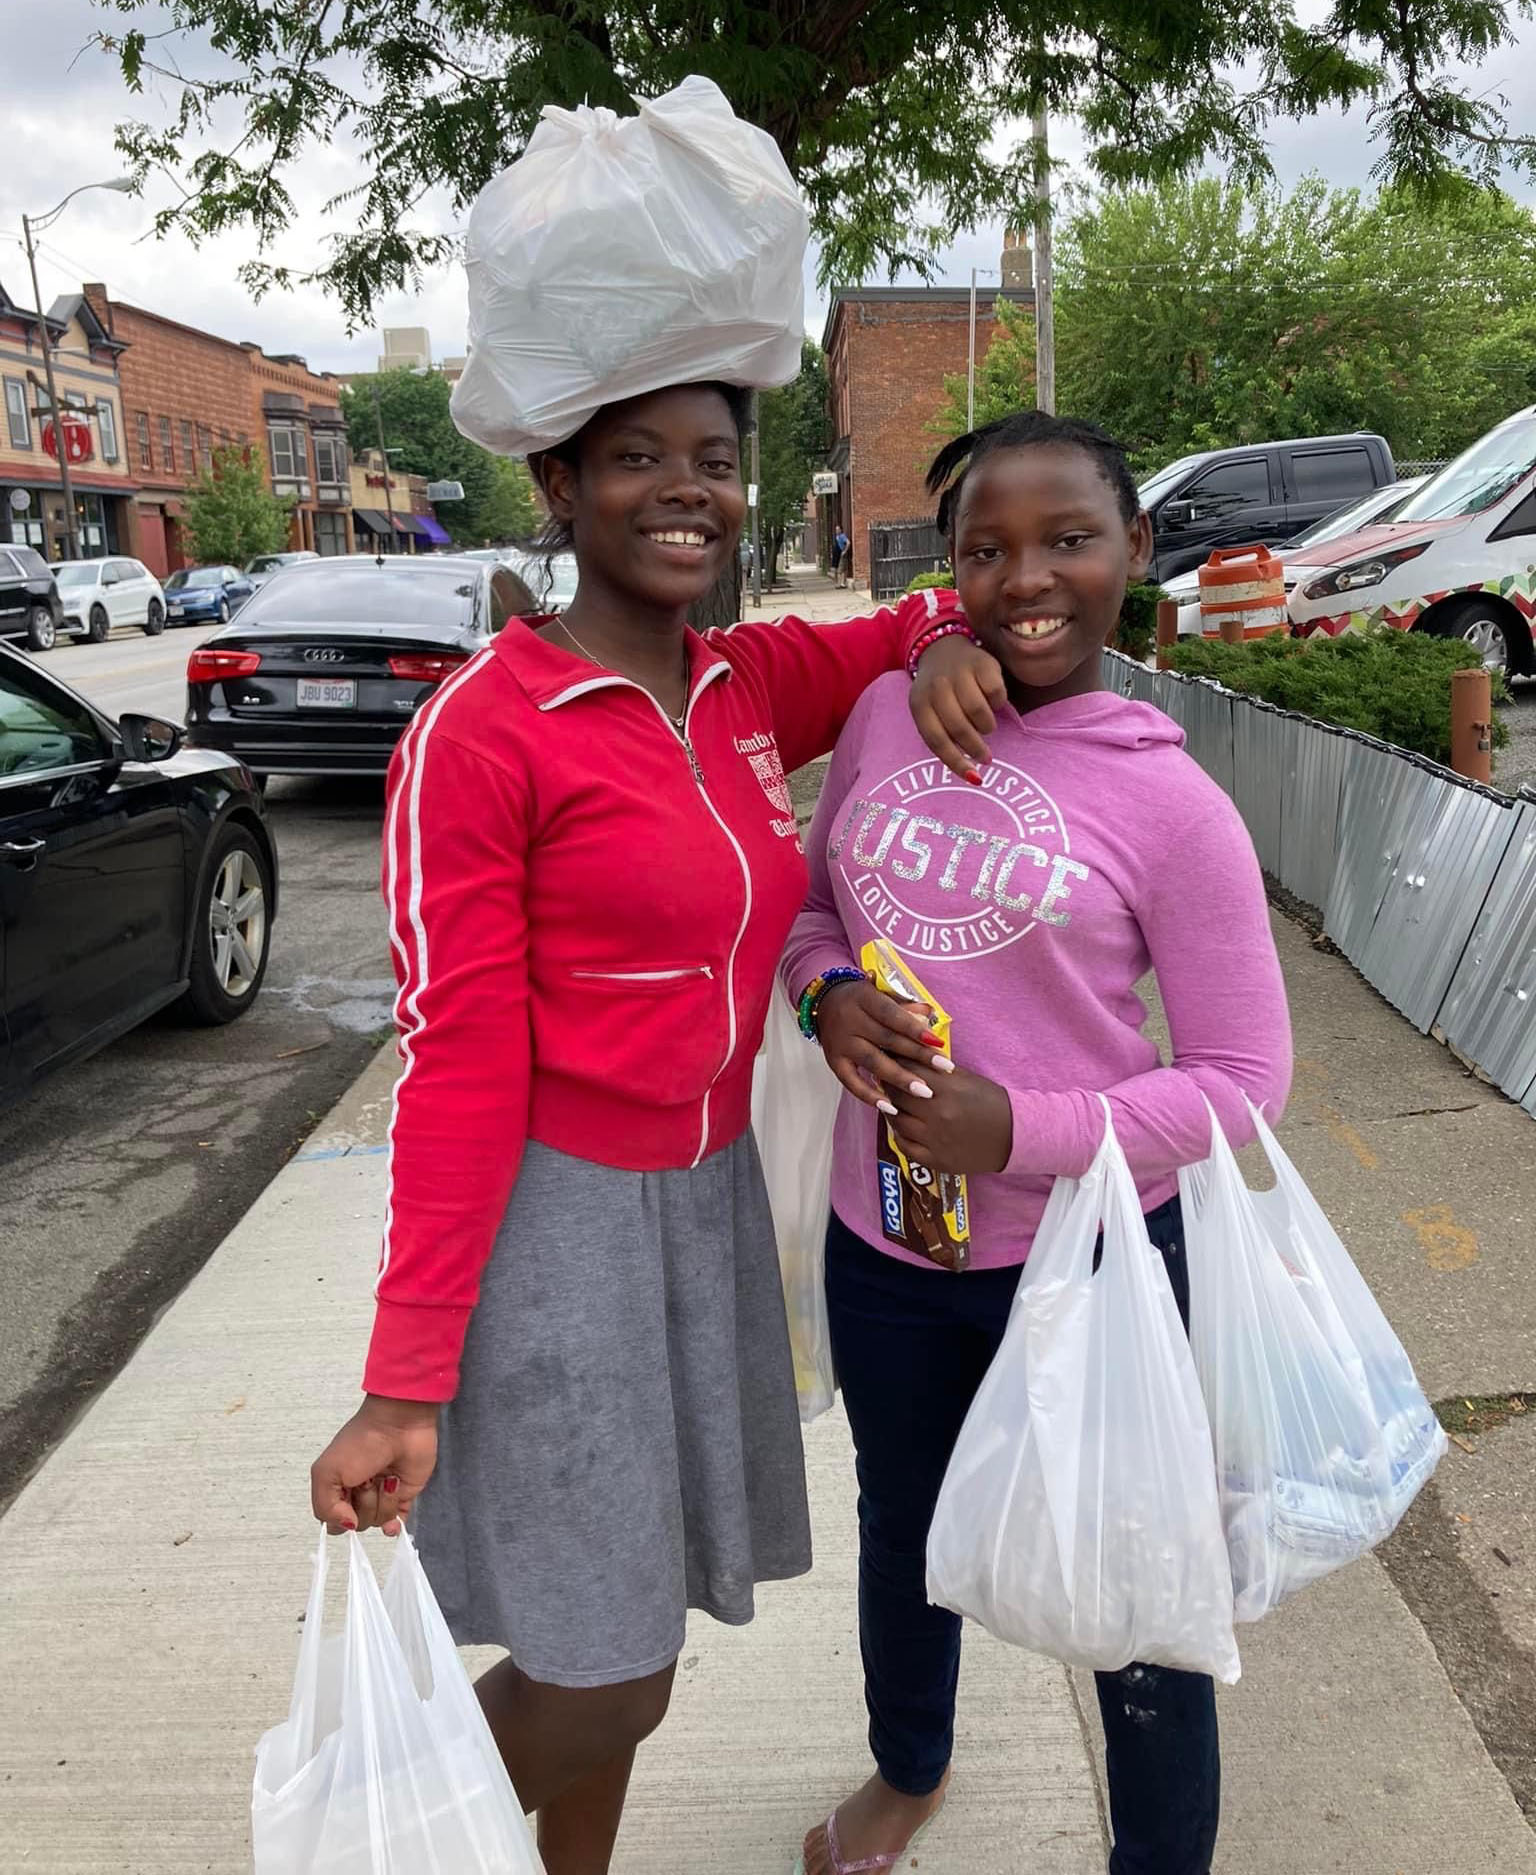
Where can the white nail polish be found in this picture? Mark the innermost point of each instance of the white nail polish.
(885, 1107)
(922, 1090)
(943, 1064)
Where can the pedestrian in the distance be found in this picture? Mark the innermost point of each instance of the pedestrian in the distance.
(1095, 851)
(841, 557)
(579, 1382)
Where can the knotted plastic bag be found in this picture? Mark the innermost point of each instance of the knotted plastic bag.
(385, 1764)
(1078, 1516)
(794, 1109)
(1323, 1437)
(620, 255)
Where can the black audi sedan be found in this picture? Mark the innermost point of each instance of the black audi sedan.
(135, 874)
(329, 660)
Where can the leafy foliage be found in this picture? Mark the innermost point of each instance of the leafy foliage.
(1137, 631)
(926, 582)
(230, 514)
(888, 111)
(1386, 683)
(1194, 315)
(499, 502)
(793, 439)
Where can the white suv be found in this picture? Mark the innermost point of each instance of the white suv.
(98, 594)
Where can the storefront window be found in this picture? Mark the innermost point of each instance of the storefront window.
(330, 533)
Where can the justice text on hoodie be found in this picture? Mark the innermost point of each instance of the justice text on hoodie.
(586, 907)
(1030, 908)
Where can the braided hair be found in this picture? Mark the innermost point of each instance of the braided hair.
(1028, 429)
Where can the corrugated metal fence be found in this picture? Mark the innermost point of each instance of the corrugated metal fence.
(1426, 882)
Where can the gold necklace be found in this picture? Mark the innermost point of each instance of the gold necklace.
(678, 722)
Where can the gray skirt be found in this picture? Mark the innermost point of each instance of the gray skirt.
(625, 1442)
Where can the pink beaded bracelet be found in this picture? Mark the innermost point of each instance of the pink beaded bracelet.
(951, 628)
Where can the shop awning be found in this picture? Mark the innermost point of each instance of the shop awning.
(374, 521)
(411, 524)
(429, 526)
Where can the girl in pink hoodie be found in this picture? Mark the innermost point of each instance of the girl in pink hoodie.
(1094, 852)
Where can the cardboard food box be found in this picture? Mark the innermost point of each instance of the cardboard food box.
(926, 1212)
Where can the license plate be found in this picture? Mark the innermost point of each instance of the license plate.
(327, 693)
(173, 610)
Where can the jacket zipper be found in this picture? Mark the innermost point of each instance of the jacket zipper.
(685, 739)
(642, 976)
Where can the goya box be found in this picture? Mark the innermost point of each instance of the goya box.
(923, 1211)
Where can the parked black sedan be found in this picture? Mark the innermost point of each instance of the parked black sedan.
(329, 660)
(134, 874)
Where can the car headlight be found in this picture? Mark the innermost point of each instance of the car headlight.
(1361, 573)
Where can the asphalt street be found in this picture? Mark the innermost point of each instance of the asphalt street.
(1515, 766)
(123, 1173)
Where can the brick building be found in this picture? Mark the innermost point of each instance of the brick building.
(187, 393)
(889, 350)
(85, 364)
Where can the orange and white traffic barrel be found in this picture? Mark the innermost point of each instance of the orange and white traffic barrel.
(1242, 589)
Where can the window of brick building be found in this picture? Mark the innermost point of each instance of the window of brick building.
(290, 454)
(188, 453)
(330, 459)
(330, 534)
(205, 448)
(106, 418)
(167, 447)
(146, 450)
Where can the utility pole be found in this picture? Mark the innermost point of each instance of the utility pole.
(378, 417)
(55, 408)
(1045, 303)
(970, 368)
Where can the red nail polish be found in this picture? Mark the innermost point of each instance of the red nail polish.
(391, 1485)
(973, 776)
(930, 1041)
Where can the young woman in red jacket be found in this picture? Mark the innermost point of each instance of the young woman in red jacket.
(591, 865)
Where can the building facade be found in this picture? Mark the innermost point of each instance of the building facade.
(90, 430)
(889, 350)
(390, 509)
(188, 393)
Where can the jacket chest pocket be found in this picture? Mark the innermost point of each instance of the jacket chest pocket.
(655, 1035)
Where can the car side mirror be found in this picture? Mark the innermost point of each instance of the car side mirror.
(1176, 513)
(149, 738)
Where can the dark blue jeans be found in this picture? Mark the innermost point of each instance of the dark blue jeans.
(911, 1347)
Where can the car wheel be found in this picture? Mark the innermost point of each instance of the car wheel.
(42, 633)
(223, 611)
(154, 622)
(99, 625)
(1480, 625)
(232, 931)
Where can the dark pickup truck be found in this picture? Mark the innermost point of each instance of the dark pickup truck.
(1261, 492)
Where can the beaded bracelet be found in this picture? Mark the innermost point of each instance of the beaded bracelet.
(951, 628)
(810, 1000)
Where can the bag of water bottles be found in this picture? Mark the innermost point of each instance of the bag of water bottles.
(620, 255)
(1078, 1516)
(794, 1110)
(1322, 1435)
(385, 1764)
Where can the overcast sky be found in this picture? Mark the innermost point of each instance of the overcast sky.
(61, 104)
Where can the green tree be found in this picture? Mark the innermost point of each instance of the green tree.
(1005, 374)
(511, 511)
(1197, 314)
(423, 440)
(793, 437)
(230, 514)
(889, 112)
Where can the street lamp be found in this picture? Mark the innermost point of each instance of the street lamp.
(36, 224)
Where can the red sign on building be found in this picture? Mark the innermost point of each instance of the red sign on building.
(78, 446)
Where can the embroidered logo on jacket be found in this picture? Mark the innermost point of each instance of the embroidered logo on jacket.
(762, 755)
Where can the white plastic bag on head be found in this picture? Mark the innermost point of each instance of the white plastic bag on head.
(1323, 1437)
(620, 255)
(385, 1764)
(794, 1110)
(1078, 1516)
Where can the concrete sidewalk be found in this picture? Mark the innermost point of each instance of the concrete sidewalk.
(153, 1573)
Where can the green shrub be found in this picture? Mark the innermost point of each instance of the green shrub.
(1137, 631)
(1386, 683)
(940, 576)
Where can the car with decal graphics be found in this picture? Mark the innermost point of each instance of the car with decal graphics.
(1457, 560)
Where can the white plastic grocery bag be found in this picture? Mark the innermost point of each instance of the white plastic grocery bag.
(1078, 1516)
(794, 1109)
(619, 255)
(385, 1764)
(1323, 1437)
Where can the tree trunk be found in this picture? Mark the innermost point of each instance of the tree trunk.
(722, 607)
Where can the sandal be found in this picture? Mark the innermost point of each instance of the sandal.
(872, 1862)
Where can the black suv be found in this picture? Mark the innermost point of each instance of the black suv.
(30, 607)
(1263, 492)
